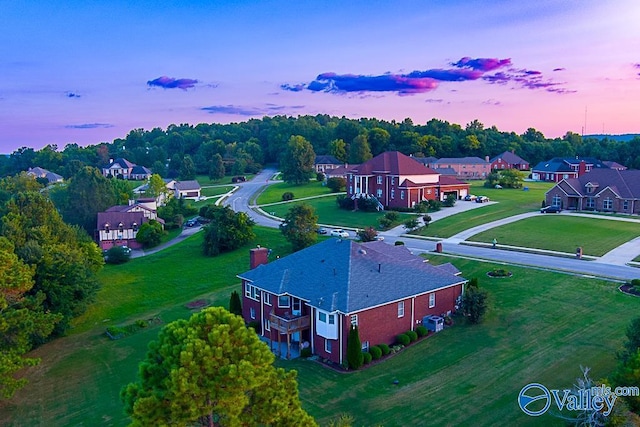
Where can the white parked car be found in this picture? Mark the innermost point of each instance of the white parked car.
(340, 233)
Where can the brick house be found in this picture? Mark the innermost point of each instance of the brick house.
(313, 296)
(400, 181)
(603, 190)
(559, 168)
(465, 167)
(118, 225)
(509, 160)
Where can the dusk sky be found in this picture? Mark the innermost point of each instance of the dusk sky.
(87, 72)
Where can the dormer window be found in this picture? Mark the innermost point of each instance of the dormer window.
(134, 226)
(106, 227)
(121, 227)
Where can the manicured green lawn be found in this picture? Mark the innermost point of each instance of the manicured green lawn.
(216, 190)
(273, 193)
(542, 327)
(563, 234)
(328, 213)
(511, 202)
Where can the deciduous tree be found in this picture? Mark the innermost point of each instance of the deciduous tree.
(216, 169)
(227, 231)
(297, 160)
(212, 370)
(359, 150)
(299, 226)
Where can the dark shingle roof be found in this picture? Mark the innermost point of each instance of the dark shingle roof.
(461, 160)
(563, 164)
(394, 163)
(140, 170)
(187, 185)
(123, 163)
(626, 183)
(327, 160)
(510, 158)
(346, 276)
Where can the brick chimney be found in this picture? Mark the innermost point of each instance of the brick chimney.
(258, 256)
(582, 168)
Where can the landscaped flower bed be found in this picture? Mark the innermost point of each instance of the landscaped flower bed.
(117, 332)
(499, 272)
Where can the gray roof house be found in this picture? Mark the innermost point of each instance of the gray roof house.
(315, 295)
(39, 172)
(603, 190)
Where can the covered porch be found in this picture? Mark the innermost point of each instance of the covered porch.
(288, 334)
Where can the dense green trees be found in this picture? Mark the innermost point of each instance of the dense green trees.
(212, 370)
(474, 302)
(228, 230)
(150, 234)
(297, 160)
(299, 226)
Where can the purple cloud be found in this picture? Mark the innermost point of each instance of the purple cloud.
(90, 126)
(171, 83)
(72, 95)
(250, 111)
(482, 64)
(559, 69)
(466, 69)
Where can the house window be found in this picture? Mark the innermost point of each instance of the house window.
(379, 179)
(393, 193)
(267, 298)
(350, 189)
(432, 300)
(251, 291)
(365, 346)
(607, 204)
(590, 189)
(557, 201)
(354, 319)
(428, 191)
(252, 312)
(379, 193)
(267, 325)
(283, 301)
(134, 226)
(402, 195)
(625, 205)
(393, 180)
(565, 176)
(350, 178)
(327, 345)
(401, 309)
(322, 317)
(297, 305)
(591, 203)
(332, 319)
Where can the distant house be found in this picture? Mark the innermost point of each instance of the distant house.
(339, 172)
(118, 225)
(324, 163)
(603, 190)
(399, 181)
(39, 172)
(313, 296)
(509, 160)
(559, 168)
(118, 168)
(140, 173)
(185, 189)
(465, 167)
(615, 165)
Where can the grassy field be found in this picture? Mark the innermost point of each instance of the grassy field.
(563, 234)
(273, 193)
(215, 191)
(511, 202)
(542, 327)
(329, 213)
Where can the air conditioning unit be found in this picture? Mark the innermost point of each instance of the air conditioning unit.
(433, 323)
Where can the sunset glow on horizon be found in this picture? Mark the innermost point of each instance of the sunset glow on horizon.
(79, 72)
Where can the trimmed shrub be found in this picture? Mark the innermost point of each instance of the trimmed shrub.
(385, 349)
(336, 184)
(422, 331)
(305, 352)
(376, 352)
(385, 222)
(367, 204)
(435, 205)
(635, 283)
(366, 357)
(396, 348)
(319, 176)
(399, 243)
(287, 195)
(403, 339)
(354, 348)
(392, 216)
(413, 335)
(345, 202)
(117, 255)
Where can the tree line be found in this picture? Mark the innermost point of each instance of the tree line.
(237, 148)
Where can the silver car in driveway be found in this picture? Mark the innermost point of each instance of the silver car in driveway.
(340, 233)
